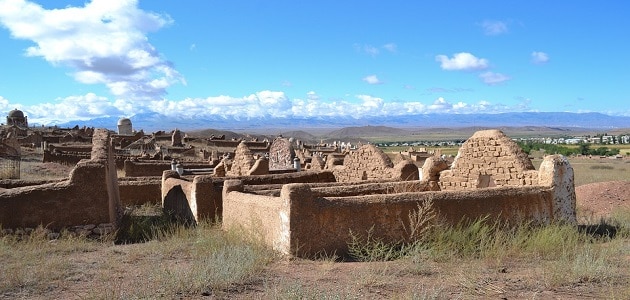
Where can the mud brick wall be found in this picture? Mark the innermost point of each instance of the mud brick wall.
(137, 168)
(140, 190)
(370, 163)
(65, 158)
(89, 196)
(489, 158)
(301, 222)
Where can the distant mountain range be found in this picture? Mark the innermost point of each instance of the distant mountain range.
(150, 122)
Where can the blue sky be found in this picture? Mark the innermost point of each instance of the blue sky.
(77, 60)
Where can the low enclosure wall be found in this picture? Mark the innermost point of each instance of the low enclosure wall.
(301, 223)
(193, 199)
(89, 196)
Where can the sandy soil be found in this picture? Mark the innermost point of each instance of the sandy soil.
(600, 199)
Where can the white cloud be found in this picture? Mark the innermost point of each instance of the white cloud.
(367, 49)
(82, 107)
(312, 96)
(494, 27)
(263, 104)
(375, 51)
(104, 42)
(391, 47)
(539, 57)
(462, 61)
(491, 78)
(440, 104)
(372, 79)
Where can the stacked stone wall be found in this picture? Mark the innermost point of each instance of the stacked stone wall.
(489, 158)
(243, 161)
(370, 163)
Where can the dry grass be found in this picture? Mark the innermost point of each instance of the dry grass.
(178, 261)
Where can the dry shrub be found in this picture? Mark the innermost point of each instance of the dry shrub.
(421, 220)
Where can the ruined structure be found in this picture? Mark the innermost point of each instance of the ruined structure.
(125, 127)
(89, 196)
(307, 219)
(176, 138)
(17, 118)
(370, 163)
(489, 158)
(244, 163)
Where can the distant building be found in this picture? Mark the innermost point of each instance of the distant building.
(125, 127)
(16, 118)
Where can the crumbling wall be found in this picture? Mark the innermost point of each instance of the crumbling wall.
(243, 161)
(369, 163)
(190, 201)
(65, 158)
(317, 162)
(89, 196)
(201, 197)
(140, 190)
(489, 158)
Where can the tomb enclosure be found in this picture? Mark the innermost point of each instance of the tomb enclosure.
(89, 196)
(306, 219)
(489, 158)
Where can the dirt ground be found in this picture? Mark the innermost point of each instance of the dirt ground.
(600, 199)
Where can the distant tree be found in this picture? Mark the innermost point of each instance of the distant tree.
(584, 148)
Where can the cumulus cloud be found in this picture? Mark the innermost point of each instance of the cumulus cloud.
(462, 61)
(372, 79)
(539, 57)
(82, 107)
(491, 78)
(264, 104)
(104, 41)
(494, 27)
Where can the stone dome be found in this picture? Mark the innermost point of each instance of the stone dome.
(16, 113)
(124, 122)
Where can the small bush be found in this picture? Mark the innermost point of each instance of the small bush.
(368, 248)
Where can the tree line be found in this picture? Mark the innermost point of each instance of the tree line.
(583, 149)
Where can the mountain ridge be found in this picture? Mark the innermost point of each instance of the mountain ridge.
(154, 121)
